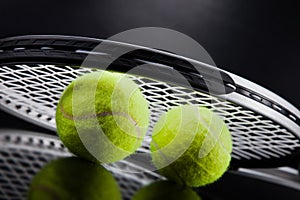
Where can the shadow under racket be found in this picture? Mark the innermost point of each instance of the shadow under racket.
(34, 70)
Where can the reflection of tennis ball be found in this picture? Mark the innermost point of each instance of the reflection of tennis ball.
(73, 178)
(102, 116)
(165, 190)
(191, 146)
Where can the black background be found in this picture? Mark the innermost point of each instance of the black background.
(258, 40)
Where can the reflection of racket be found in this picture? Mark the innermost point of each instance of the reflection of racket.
(35, 70)
(23, 153)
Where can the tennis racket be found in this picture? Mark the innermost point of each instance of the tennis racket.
(34, 70)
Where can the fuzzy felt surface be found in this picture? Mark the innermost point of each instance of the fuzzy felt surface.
(191, 146)
(102, 116)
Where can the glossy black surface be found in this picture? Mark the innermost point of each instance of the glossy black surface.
(237, 186)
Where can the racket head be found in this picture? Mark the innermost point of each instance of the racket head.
(264, 127)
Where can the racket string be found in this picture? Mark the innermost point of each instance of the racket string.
(34, 90)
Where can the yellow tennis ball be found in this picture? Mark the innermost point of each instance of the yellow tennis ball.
(165, 190)
(102, 116)
(73, 178)
(191, 146)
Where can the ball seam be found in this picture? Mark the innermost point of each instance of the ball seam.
(102, 114)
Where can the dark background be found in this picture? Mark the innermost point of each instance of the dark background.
(258, 40)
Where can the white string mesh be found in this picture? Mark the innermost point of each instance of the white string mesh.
(33, 91)
(23, 155)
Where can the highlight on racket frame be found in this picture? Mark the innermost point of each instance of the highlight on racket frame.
(34, 70)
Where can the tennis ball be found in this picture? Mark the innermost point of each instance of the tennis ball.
(73, 178)
(165, 190)
(102, 116)
(191, 145)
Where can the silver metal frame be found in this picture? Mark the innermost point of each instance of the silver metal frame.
(261, 108)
